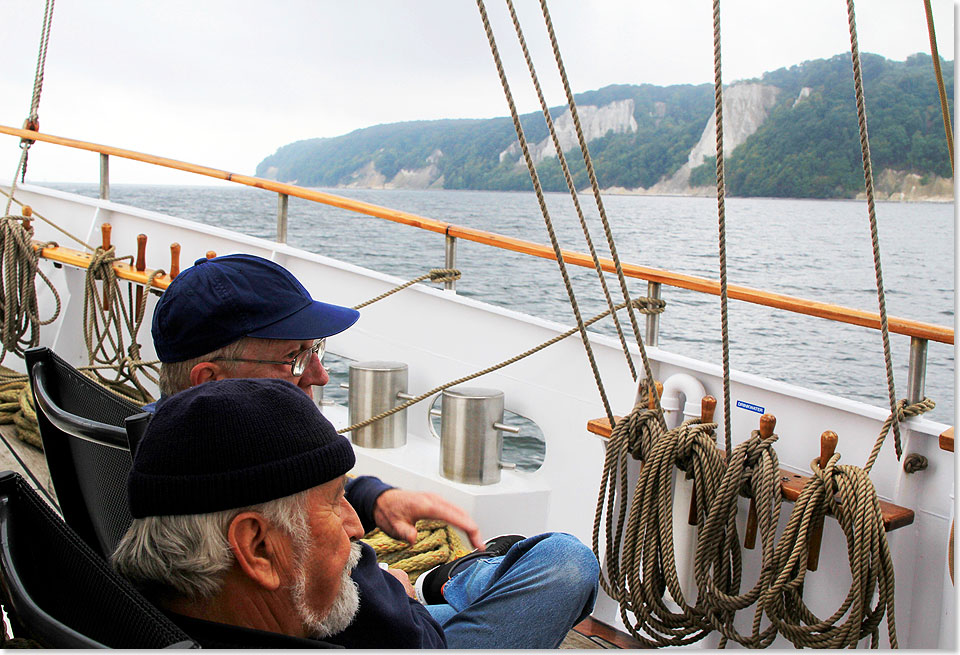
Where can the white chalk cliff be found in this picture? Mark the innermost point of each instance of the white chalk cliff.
(745, 108)
(616, 117)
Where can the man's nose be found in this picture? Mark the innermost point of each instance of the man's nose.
(313, 374)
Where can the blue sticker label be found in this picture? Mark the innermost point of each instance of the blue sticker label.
(750, 407)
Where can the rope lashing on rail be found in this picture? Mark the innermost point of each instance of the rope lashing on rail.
(435, 275)
(104, 322)
(18, 294)
(848, 493)
(901, 412)
(437, 543)
(643, 305)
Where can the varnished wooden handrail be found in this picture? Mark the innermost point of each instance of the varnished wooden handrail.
(946, 439)
(828, 311)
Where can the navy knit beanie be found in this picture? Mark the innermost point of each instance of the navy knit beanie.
(233, 443)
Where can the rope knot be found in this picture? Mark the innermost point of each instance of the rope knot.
(444, 274)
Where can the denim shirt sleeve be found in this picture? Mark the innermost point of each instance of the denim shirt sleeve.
(362, 494)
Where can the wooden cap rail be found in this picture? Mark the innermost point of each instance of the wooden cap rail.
(791, 484)
(704, 285)
(946, 440)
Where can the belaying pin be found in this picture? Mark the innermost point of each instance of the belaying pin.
(105, 230)
(174, 260)
(708, 405)
(141, 266)
(828, 446)
(767, 423)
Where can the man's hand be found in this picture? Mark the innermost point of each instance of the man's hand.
(404, 580)
(397, 511)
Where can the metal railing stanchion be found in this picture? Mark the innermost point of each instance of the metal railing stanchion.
(450, 260)
(917, 373)
(283, 201)
(653, 320)
(104, 177)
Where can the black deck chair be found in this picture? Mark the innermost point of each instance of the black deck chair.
(60, 593)
(85, 444)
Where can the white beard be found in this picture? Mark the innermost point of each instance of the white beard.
(345, 605)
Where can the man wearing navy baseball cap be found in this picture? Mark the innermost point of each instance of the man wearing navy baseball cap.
(242, 316)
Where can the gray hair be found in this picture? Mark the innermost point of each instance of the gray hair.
(175, 376)
(188, 555)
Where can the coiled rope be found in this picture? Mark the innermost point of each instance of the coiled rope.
(849, 494)
(104, 323)
(437, 543)
(18, 293)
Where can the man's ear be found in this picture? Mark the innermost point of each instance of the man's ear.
(253, 541)
(205, 372)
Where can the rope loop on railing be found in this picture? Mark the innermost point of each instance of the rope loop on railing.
(434, 275)
(902, 412)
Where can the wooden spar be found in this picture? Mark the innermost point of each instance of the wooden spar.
(815, 308)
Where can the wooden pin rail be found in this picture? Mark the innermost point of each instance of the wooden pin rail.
(79, 259)
(791, 484)
(794, 304)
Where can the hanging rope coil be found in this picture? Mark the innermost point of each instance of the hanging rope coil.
(644, 567)
(104, 323)
(18, 293)
(848, 493)
(752, 470)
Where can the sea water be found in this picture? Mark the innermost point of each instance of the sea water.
(814, 249)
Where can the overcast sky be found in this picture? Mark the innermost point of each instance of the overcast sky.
(224, 83)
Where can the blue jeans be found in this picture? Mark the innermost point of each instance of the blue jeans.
(529, 598)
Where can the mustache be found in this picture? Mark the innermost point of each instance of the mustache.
(355, 552)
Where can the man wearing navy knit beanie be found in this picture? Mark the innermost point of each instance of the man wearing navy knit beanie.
(243, 535)
(241, 316)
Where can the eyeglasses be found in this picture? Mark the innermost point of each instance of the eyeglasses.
(297, 365)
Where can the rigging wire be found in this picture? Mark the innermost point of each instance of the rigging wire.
(571, 186)
(33, 120)
(935, 55)
(543, 208)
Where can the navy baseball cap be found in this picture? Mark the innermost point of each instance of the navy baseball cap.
(217, 301)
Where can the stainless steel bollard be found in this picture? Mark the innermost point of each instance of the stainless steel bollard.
(470, 434)
(374, 388)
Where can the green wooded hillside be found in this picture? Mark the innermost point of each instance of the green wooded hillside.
(808, 148)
